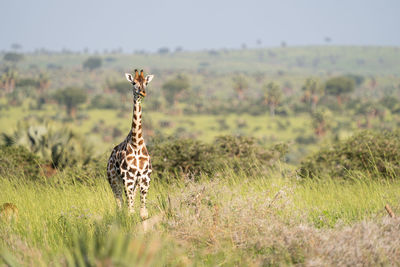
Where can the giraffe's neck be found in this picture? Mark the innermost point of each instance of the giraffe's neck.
(136, 131)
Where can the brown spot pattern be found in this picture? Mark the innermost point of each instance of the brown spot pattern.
(124, 166)
(129, 162)
(142, 161)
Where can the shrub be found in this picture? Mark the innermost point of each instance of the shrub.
(172, 88)
(244, 154)
(306, 140)
(104, 102)
(92, 63)
(59, 147)
(247, 148)
(371, 152)
(18, 162)
(182, 156)
(71, 97)
(13, 57)
(174, 158)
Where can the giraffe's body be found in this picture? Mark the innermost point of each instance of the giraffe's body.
(129, 165)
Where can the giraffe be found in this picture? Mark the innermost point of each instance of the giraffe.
(129, 165)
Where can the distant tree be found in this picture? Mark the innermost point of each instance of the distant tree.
(26, 82)
(16, 46)
(358, 79)
(163, 50)
(43, 82)
(92, 63)
(240, 85)
(339, 86)
(321, 122)
(121, 88)
(273, 96)
(8, 80)
(368, 110)
(174, 87)
(13, 57)
(71, 97)
(389, 102)
(312, 92)
(259, 76)
(102, 101)
(178, 49)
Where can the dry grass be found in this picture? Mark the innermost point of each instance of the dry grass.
(255, 228)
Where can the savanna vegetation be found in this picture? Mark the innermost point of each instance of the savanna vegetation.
(283, 156)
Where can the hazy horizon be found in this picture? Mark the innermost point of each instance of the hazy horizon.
(150, 25)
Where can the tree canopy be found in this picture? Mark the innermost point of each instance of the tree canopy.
(175, 86)
(273, 95)
(240, 85)
(13, 57)
(71, 97)
(339, 85)
(92, 63)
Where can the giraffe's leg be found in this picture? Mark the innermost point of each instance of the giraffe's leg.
(115, 185)
(117, 189)
(130, 191)
(144, 184)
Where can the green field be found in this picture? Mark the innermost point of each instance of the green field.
(255, 208)
(236, 220)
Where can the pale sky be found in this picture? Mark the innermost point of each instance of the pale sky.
(195, 25)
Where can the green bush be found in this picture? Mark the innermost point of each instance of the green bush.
(375, 153)
(177, 158)
(17, 162)
(71, 97)
(182, 157)
(104, 102)
(92, 63)
(59, 147)
(13, 57)
(243, 153)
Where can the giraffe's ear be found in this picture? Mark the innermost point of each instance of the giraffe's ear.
(149, 78)
(129, 77)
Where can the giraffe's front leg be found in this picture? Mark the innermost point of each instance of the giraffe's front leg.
(115, 185)
(144, 188)
(130, 191)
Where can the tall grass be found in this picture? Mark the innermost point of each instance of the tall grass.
(232, 219)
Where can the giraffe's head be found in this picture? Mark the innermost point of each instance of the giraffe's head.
(139, 83)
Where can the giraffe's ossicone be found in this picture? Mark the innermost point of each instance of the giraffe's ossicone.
(129, 165)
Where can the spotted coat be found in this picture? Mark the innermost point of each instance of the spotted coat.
(129, 165)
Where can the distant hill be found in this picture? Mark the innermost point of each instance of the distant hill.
(308, 60)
